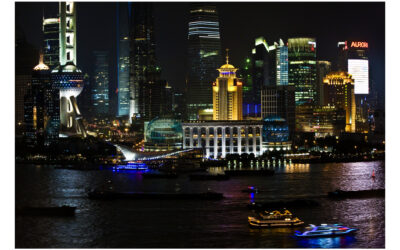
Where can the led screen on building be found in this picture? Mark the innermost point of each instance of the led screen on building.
(358, 68)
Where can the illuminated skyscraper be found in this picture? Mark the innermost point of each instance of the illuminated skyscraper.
(302, 69)
(204, 56)
(227, 94)
(100, 98)
(51, 46)
(143, 58)
(339, 92)
(67, 32)
(123, 43)
(34, 105)
(353, 58)
(67, 76)
(269, 68)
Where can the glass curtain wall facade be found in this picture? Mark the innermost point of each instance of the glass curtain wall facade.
(51, 41)
(204, 57)
(143, 59)
(282, 64)
(302, 69)
(100, 97)
(123, 67)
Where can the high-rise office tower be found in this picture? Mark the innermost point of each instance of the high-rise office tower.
(123, 43)
(34, 106)
(143, 58)
(204, 56)
(279, 101)
(51, 41)
(302, 69)
(353, 58)
(158, 99)
(270, 64)
(282, 63)
(269, 67)
(67, 76)
(227, 94)
(250, 106)
(25, 59)
(323, 68)
(339, 92)
(100, 98)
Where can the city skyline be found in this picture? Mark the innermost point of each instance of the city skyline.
(283, 102)
(367, 25)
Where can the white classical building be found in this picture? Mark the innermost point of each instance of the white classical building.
(219, 138)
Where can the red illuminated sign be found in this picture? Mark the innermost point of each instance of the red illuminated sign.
(359, 45)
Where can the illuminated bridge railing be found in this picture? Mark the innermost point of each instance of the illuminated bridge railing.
(133, 156)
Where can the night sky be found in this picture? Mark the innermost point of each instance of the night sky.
(240, 23)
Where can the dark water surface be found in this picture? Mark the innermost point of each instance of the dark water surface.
(200, 224)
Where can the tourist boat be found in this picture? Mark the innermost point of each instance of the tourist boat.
(132, 165)
(325, 230)
(274, 219)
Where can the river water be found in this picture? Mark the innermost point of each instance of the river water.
(196, 224)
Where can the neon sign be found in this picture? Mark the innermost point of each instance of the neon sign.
(359, 44)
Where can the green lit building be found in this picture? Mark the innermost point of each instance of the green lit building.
(162, 134)
(302, 69)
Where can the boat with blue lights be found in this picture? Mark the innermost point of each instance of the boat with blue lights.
(325, 230)
(274, 219)
(132, 165)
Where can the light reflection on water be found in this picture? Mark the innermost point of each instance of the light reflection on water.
(150, 223)
(326, 242)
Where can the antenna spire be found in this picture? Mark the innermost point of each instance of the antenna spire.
(227, 56)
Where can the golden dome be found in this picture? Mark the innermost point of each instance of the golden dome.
(227, 66)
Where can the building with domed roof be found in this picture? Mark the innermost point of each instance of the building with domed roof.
(227, 94)
(162, 134)
(35, 118)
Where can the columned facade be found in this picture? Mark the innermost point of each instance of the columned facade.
(220, 138)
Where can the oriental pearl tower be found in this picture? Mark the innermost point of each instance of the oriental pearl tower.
(67, 76)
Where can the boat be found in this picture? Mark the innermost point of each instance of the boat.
(325, 230)
(274, 219)
(47, 211)
(250, 190)
(132, 165)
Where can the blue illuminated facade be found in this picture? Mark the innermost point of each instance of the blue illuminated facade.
(100, 98)
(251, 110)
(275, 134)
(282, 65)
